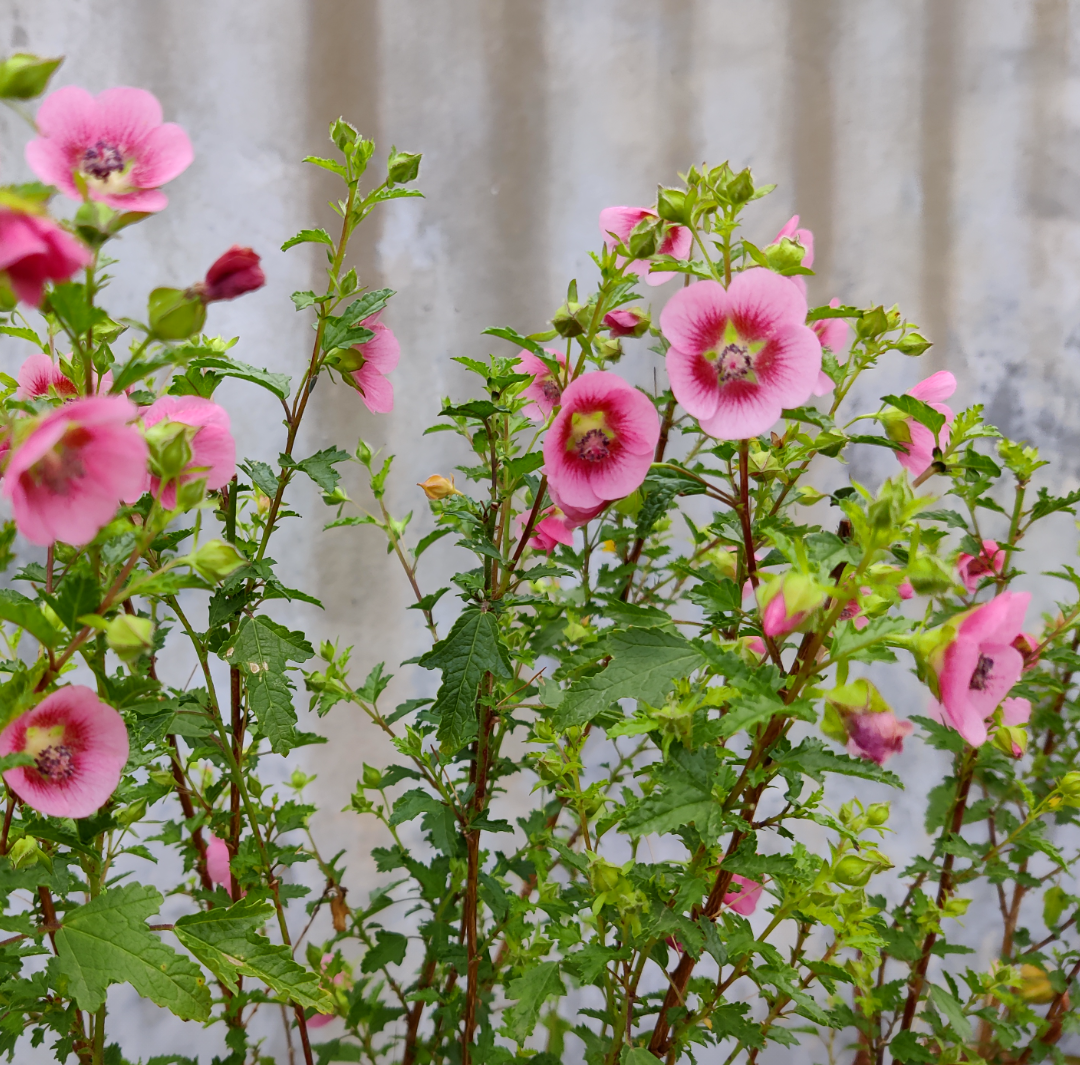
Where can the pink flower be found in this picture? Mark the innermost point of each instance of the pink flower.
(38, 375)
(79, 746)
(976, 666)
(626, 322)
(804, 237)
(576, 516)
(68, 477)
(34, 250)
(786, 602)
(381, 355)
(1015, 712)
(875, 736)
(234, 273)
(544, 390)
(905, 590)
(616, 224)
(743, 895)
(320, 1020)
(1029, 645)
(918, 441)
(832, 335)
(552, 528)
(601, 444)
(217, 863)
(213, 450)
(116, 142)
(755, 645)
(972, 570)
(739, 356)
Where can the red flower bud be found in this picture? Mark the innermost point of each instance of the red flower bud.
(236, 272)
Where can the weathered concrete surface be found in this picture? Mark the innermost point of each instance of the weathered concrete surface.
(932, 145)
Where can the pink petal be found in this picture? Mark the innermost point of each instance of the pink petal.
(382, 350)
(165, 153)
(620, 221)
(823, 385)
(148, 201)
(375, 390)
(51, 163)
(762, 301)
(125, 115)
(694, 382)
(693, 320)
(936, 388)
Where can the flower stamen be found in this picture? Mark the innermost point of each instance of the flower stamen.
(981, 676)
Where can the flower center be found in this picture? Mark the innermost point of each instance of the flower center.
(593, 446)
(56, 763)
(101, 159)
(733, 363)
(850, 611)
(63, 464)
(981, 677)
(552, 391)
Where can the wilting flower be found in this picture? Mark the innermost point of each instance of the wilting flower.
(876, 736)
(601, 445)
(380, 356)
(116, 143)
(627, 322)
(972, 569)
(234, 273)
(786, 601)
(79, 746)
(39, 375)
(544, 390)
(616, 224)
(743, 894)
(740, 355)
(213, 450)
(974, 664)
(67, 478)
(918, 441)
(217, 863)
(34, 250)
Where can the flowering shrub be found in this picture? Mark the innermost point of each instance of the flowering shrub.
(660, 626)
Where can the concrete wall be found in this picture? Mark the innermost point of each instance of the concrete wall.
(932, 145)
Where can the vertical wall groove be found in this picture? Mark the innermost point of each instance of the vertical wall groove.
(812, 31)
(938, 134)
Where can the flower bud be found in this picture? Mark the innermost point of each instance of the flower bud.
(438, 487)
(929, 575)
(565, 320)
(1035, 986)
(877, 813)
(724, 561)
(236, 272)
(372, 776)
(645, 237)
(872, 323)
(215, 560)
(671, 205)
(853, 871)
(327, 651)
(1012, 740)
(627, 322)
(170, 448)
(189, 494)
(785, 255)
(741, 187)
(912, 344)
(130, 814)
(26, 852)
(1069, 788)
(402, 167)
(130, 636)
(174, 314)
(24, 76)
(609, 348)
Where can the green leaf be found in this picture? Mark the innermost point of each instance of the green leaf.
(470, 650)
(304, 299)
(320, 466)
(815, 759)
(17, 608)
(907, 1050)
(685, 796)
(953, 1012)
(309, 236)
(262, 650)
(637, 1056)
(327, 164)
(644, 665)
(278, 383)
(531, 990)
(1048, 504)
(345, 329)
(389, 949)
(516, 338)
(922, 412)
(228, 943)
(262, 476)
(107, 942)
(78, 594)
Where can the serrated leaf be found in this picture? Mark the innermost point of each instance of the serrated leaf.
(16, 608)
(470, 650)
(262, 476)
(922, 412)
(644, 665)
(262, 650)
(531, 991)
(278, 383)
(228, 943)
(320, 466)
(685, 796)
(389, 949)
(815, 759)
(953, 1012)
(506, 333)
(309, 236)
(107, 942)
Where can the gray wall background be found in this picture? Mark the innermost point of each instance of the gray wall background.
(932, 146)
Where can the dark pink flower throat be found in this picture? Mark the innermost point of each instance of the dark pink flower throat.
(734, 364)
(594, 446)
(552, 392)
(56, 763)
(102, 159)
(981, 676)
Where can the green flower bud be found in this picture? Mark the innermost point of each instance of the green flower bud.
(1011, 739)
(929, 575)
(170, 448)
(872, 323)
(215, 560)
(565, 320)
(671, 205)
(26, 852)
(853, 871)
(130, 636)
(609, 348)
(877, 813)
(784, 256)
(724, 561)
(189, 494)
(130, 814)
(175, 314)
(24, 76)
(912, 344)
(1069, 788)
(372, 777)
(741, 187)
(402, 167)
(645, 237)
(346, 360)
